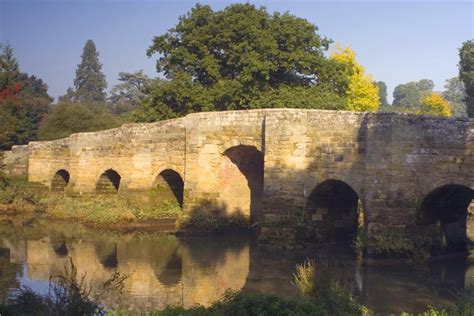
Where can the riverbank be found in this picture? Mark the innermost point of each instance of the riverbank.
(143, 211)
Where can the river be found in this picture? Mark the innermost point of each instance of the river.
(164, 269)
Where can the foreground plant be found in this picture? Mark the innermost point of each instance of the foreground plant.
(68, 294)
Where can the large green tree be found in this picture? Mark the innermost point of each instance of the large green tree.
(466, 74)
(455, 94)
(24, 101)
(409, 95)
(242, 57)
(89, 84)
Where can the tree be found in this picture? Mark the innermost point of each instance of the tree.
(90, 82)
(130, 93)
(71, 117)
(409, 95)
(24, 101)
(9, 68)
(466, 74)
(382, 93)
(455, 94)
(435, 104)
(240, 58)
(363, 94)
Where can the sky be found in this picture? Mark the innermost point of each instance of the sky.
(396, 42)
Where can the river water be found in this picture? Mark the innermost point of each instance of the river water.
(164, 269)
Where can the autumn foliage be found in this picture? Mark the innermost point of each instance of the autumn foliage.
(435, 104)
(362, 93)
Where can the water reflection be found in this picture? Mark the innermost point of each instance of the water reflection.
(166, 270)
(162, 270)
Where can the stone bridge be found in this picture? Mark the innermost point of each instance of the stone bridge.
(333, 168)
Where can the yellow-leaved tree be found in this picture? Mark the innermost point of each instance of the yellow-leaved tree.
(362, 93)
(435, 104)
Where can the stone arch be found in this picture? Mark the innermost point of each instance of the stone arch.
(431, 186)
(235, 142)
(447, 214)
(335, 208)
(169, 186)
(241, 181)
(108, 182)
(60, 181)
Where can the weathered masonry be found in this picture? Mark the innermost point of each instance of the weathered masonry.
(280, 165)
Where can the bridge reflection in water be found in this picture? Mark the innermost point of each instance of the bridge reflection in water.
(166, 270)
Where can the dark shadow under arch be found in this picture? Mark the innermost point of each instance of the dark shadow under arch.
(169, 186)
(249, 160)
(445, 211)
(334, 207)
(60, 181)
(109, 182)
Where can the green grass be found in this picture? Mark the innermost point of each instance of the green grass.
(17, 197)
(108, 209)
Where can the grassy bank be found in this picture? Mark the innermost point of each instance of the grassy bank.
(130, 210)
(17, 197)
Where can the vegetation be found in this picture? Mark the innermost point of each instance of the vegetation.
(130, 92)
(17, 197)
(69, 294)
(208, 222)
(90, 82)
(111, 209)
(24, 101)
(362, 93)
(435, 104)
(264, 304)
(72, 117)
(382, 93)
(84, 108)
(466, 74)
(419, 98)
(240, 58)
(415, 243)
(455, 94)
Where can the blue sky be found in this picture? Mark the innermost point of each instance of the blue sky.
(396, 42)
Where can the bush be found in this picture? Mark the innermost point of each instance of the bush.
(73, 117)
(16, 195)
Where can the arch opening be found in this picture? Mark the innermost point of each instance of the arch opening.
(241, 181)
(60, 181)
(169, 187)
(335, 209)
(108, 183)
(448, 212)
